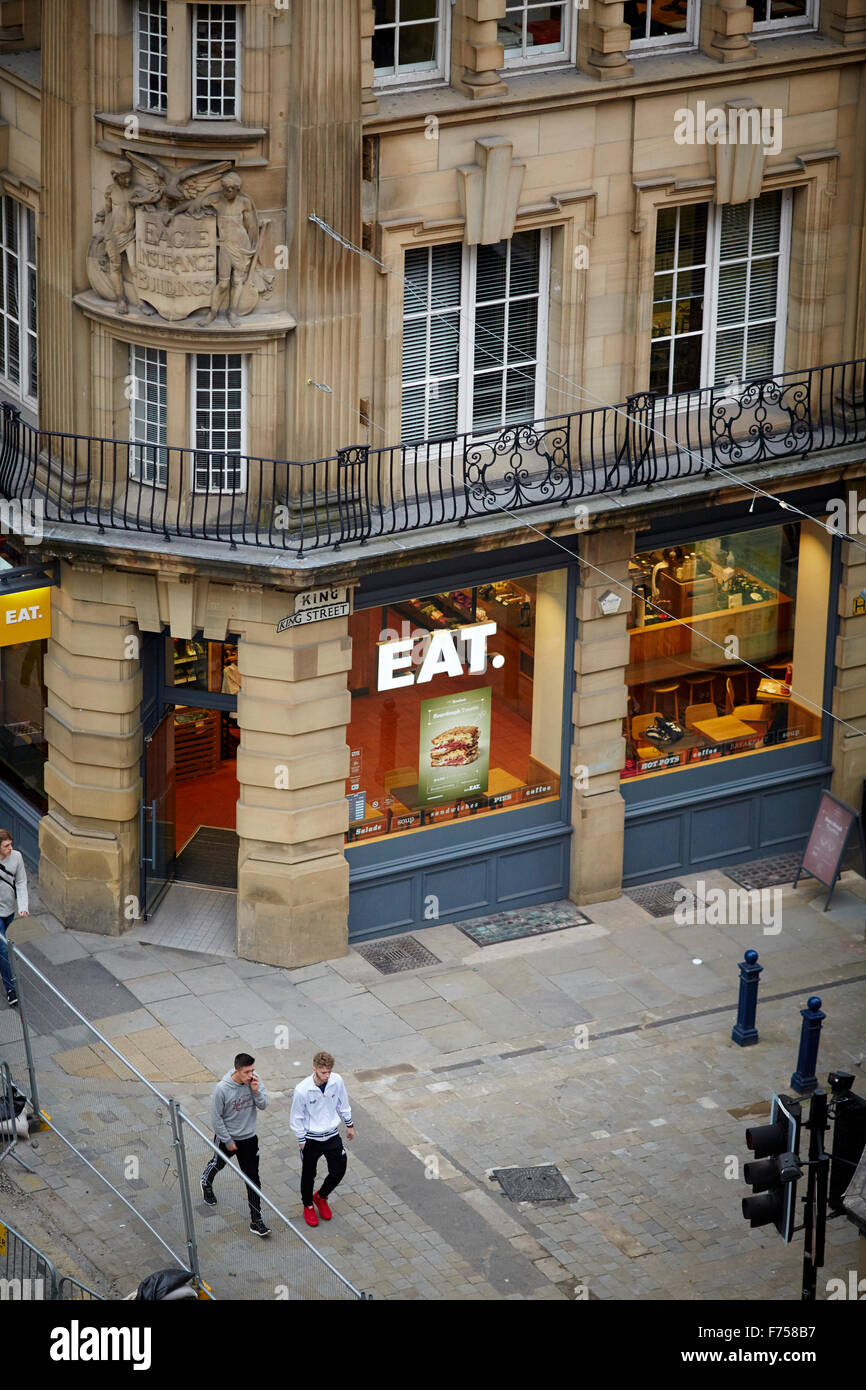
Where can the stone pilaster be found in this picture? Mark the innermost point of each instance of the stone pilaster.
(603, 40)
(89, 839)
(724, 27)
(293, 881)
(849, 695)
(478, 54)
(598, 754)
(324, 124)
(64, 350)
(369, 99)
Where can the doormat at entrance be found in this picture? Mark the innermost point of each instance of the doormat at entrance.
(765, 873)
(529, 921)
(543, 1183)
(658, 899)
(398, 953)
(209, 859)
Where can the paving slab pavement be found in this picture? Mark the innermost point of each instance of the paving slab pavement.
(604, 1049)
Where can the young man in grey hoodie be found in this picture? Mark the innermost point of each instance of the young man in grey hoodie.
(236, 1100)
(13, 894)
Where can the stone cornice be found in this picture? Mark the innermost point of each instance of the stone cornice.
(190, 140)
(180, 335)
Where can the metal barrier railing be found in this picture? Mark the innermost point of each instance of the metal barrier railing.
(72, 1290)
(9, 1118)
(26, 1273)
(150, 1154)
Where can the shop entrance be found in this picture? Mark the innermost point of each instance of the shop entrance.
(188, 814)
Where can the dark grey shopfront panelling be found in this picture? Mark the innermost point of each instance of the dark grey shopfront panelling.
(397, 898)
(22, 821)
(724, 830)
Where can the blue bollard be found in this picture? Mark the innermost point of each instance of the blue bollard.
(804, 1078)
(744, 1031)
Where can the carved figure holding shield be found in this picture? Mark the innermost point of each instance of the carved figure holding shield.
(237, 242)
(121, 201)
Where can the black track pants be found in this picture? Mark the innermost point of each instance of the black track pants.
(248, 1161)
(313, 1150)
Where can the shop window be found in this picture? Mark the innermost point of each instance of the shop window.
(219, 425)
(704, 615)
(771, 16)
(148, 457)
(474, 336)
(23, 750)
(660, 23)
(456, 705)
(18, 359)
(720, 291)
(536, 34)
(216, 47)
(409, 41)
(151, 56)
(202, 665)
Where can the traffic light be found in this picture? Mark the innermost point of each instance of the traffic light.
(774, 1175)
(849, 1134)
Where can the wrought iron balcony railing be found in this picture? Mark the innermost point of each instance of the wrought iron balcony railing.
(364, 493)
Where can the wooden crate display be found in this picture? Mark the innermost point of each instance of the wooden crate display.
(197, 745)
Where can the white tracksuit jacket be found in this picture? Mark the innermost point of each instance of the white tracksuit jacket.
(317, 1115)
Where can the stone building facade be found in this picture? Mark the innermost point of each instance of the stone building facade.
(230, 207)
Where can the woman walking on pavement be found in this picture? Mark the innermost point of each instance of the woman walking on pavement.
(318, 1105)
(13, 893)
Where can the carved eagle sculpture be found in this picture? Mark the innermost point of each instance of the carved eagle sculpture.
(177, 185)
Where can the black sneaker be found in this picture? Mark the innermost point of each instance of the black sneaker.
(207, 1193)
(12, 1000)
(259, 1227)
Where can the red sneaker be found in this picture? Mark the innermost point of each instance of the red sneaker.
(310, 1216)
(322, 1207)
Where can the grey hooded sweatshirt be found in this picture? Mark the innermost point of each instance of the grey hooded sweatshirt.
(13, 884)
(233, 1109)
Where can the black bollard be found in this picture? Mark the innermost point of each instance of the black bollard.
(744, 1032)
(804, 1078)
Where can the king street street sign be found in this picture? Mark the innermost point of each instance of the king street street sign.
(316, 606)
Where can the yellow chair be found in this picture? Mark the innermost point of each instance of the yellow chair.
(756, 716)
(696, 712)
(640, 722)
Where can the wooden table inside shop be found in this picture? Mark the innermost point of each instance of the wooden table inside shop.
(724, 729)
(406, 798)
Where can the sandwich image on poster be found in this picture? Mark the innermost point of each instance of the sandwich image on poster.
(454, 752)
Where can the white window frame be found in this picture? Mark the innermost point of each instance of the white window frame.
(687, 39)
(765, 28)
(24, 256)
(549, 58)
(464, 314)
(708, 334)
(426, 76)
(139, 105)
(239, 17)
(145, 464)
(241, 452)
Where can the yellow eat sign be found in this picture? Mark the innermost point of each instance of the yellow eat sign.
(25, 616)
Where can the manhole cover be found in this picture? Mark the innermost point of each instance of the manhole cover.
(764, 873)
(532, 921)
(657, 898)
(400, 953)
(544, 1183)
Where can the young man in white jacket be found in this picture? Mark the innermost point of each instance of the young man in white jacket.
(13, 893)
(318, 1105)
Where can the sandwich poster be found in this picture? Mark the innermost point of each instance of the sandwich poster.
(454, 751)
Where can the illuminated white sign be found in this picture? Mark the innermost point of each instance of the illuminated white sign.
(442, 657)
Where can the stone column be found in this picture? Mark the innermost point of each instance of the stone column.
(724, 27)
(598, 753)
(849, 695)
(844, 21)
(369, 99)
(179, 57)
(293, 881)
(478, 54)
(603, 40)
(89, 839)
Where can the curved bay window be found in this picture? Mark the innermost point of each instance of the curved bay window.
(456, 705)
(727, 640)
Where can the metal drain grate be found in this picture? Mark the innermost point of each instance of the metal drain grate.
(544, 1183)
(400, 953)
(657, 898)
(765, 873)
(531, 921)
